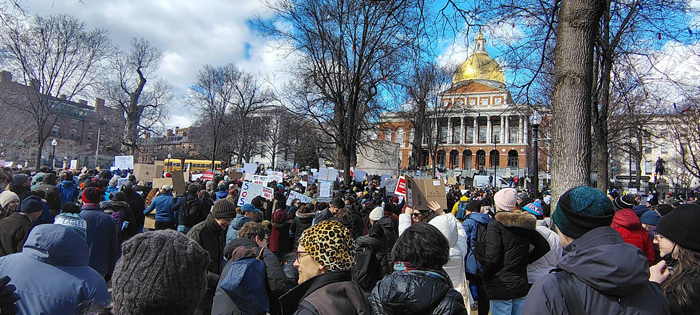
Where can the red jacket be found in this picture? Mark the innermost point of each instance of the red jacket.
(628, 225)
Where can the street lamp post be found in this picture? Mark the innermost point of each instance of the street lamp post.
(535, 121)
(169, 162)
(53, 154)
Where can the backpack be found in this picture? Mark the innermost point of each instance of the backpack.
(479, 249)
(367, 269)
(192, 212)
(245, 284)
(461, 211)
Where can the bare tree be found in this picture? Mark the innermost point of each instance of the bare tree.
(54, 55)
(347, 50)
(144, 105)
(685, 128)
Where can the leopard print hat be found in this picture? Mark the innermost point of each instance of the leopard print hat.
(330, 244)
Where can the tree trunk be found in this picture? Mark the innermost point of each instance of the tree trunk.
(40, 147)
(602, 104)
(573, 79)
(131, 129)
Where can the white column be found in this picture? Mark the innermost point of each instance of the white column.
(507, 132)
(488, 129)
(525, 129)
(462, 132)
(501, 131)
(520, 129)
(450, 135)
(475, 131)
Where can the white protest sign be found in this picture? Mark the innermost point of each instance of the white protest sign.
(196, 176)
(382, 181)
(248, 192)
(249, 177)
(74, 164)
(360, 176)
(121, 182)
(268, 193)
(297, 195)
(250, 167)
(311, 179)
(124, 162)
(322, 174)
(325, 189)
(261, 180)
(332, 174)
(275, 176)
(303, 183)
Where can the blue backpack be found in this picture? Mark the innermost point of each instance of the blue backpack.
(245, 285)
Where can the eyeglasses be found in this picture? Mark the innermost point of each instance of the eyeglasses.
(415, 214)
(300, 252)
(658, 236)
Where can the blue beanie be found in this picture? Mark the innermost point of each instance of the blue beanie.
(32, 204)
(650, 217)
(582, 209)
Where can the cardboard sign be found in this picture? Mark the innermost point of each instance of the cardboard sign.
(74, 164)
(260, 180)
(124, 162)
(452, 181)
(250, 168)
(235, 175)
(268, 193)
(147, 172)
(421, 191)
(159, 182)
(178, 182)
(248, 192)
(401, 187)
(297, 195)
(208, 175)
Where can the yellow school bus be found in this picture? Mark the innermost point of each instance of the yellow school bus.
(195, 165)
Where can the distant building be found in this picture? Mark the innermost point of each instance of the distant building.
(176, 142)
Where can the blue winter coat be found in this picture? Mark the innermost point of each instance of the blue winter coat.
(69, 193)
(109, 191)
(221, 195)
(470, 225)
(165, 212)
(101, 239)
(236, 225)
(52, 275)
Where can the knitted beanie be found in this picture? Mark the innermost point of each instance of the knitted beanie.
(624, 202)
(224, 209)
(330, 244)
(7, 196)
(650, 217)
(19, 179)
(639, 210)
(376, 214)
(506, 199)
(92, 195)
(534, 207)
(681, 226)
(582, 209)
(160, 272)
(664, 209)
(31, 204)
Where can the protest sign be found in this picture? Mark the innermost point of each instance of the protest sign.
(178, 182)
(297, 195)
(421, 191)
(147, 172)
(196, 176)
(311, 179)
(390, 186)
(260, 180)
(250, 168)
(322, 174)
(248, 192)
(382, 181)
(160, 182)
(401, 186)
(124, 162)
(275, 176)
(208, 175)
(235, 175)
(268, 193)
(325, 188)
(74, 164)
(360, 176)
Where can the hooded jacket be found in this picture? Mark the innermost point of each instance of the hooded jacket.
(14, 231)
(457, 240)
(610, 276)
(549, 261)
(301, 222)
(102, 239)
(163, 204)
(236, 225)
(69, 193)
(508, 240)
(630, 228)
(415, 292)
(327, 293)
(58, 253)
(470, 225)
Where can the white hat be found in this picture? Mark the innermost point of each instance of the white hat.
(376, 214)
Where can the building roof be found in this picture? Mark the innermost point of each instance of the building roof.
(479, 65)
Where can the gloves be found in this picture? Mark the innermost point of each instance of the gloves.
(8, 297)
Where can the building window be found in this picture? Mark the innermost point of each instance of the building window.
(484, 101)
(664, 149)
(497, 101)
(458, 135)
(496, 134)
(647, 150)
(472, 102)
(87, 146)
(400, 137)
(482, 134)
(648, 167)
(513, 158)
(411, 135)
(470, 134)
(460, 103)
(513, 134)
(89, 136)
(74, 122)
(92, 126)
(633, 167)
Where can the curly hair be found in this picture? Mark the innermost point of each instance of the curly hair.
(251, 230)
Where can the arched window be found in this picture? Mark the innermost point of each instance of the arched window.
(441, 157)
(513, 158)
(454, 159)
(400, 137)
(493, 157)
(467, 160)
(481, 158)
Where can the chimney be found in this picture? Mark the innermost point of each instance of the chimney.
(99, 104)
(82, 102)
(62, 96)
(5, 77)
(169, 133)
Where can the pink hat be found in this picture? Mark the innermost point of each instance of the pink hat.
(506, 199)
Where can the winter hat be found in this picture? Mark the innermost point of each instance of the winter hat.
(474, 206)
(639, 210)
(38, 178)
(249, 208)
(224, 209)
(92, 195)
(681, 226)
(50, 179)
(614, 194)
(73, 220)
(624, 202)
(653, 200)
(506, 199)
(68, 176)
(165, 188)
(32, 204)
(534, 207)
(582, 209)
(395, 199)
(160, 272)
(376, 214)
(330, 244)
(664, 209)
(19, 179)
(7, 196)
(650, 217)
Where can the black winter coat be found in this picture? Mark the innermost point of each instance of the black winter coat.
(328, 293)
(694, 307)
(52, 195)
(13, 233)
(301, 222)
(416, 292)
(508, 240)
(212, 238)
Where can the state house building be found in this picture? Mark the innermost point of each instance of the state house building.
(479, 125)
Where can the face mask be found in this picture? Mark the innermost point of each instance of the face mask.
(670, 261)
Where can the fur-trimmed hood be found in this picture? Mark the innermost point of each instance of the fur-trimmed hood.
(517, 218)
(301, 215)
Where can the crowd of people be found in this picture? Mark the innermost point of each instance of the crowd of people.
(77, 243)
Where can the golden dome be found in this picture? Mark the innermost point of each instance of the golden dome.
(479, 65)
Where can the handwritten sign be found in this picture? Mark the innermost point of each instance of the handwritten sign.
(248, 192)
(297, 195)
(268, 193)
(124, 162)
